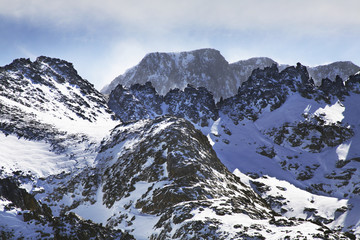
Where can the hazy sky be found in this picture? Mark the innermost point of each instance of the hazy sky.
(104, 38)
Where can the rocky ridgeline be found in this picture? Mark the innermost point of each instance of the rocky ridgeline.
(266, 90)
(36, 84)
(208, 68)
(142, 101)
(35, 96)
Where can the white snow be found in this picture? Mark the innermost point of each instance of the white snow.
(210, 140)
(97, 212)
(343, 150)
(30, 156)
(215, 126)
(332, 114)
(307, 109)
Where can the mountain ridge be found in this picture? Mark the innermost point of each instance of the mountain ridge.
(166, 73)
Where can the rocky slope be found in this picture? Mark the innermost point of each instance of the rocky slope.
(208, 68)
(161, 179)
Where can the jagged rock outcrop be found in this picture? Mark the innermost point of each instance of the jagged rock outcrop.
(142, 102)
(136, 102)
(243, 69)
(266, 90)
(41, 223)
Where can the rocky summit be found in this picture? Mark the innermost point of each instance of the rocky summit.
(183, 146)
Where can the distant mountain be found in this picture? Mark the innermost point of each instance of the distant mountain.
(208, 68)
(330, 71)
(204, 67)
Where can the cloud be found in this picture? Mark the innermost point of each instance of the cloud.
(164, 15)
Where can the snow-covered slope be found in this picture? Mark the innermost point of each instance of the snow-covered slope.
(51, 124)
(47, 101)
(161, 179)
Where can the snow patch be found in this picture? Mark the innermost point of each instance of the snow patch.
(331, 114)
(215, 126)
(343, 150)
(30, 156)
(210, 140)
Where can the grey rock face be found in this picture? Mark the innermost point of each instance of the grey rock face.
(330, 71)
(243, 68)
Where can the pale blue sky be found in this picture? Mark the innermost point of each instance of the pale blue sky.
(103, 38)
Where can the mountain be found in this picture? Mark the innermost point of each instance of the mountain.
(276, 160)
(342, 69)
(51, 124)
(208, 68)
(204, 67)
(281, 130)
(161, 179)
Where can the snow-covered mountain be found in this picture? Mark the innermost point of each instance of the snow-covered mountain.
(208, 68)
(281, 131)
(277, 159)
(51, 124)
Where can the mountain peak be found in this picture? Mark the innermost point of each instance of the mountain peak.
(256, 61)
(343, 69)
